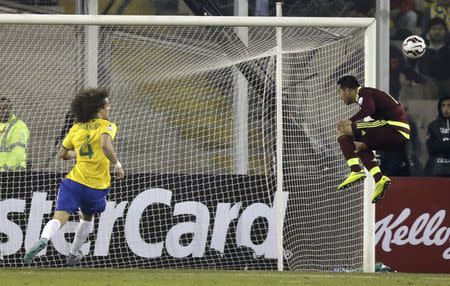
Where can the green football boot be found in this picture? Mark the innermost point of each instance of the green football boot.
(351, 179)
(380, 189)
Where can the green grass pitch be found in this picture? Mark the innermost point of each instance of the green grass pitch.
(133, 277)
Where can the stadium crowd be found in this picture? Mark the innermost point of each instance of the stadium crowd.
(422, 85)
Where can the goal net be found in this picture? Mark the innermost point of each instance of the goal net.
(196, 113)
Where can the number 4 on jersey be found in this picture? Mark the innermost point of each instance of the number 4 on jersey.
(86, 148)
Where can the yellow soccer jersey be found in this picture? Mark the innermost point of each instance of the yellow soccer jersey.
(92, 166)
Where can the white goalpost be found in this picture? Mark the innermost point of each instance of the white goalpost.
(188, 200)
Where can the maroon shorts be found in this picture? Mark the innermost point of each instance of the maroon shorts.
(379, 135)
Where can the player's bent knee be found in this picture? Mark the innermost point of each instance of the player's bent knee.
(344, 130)
(62, 216)
(86, 217)
(340, 132)
(347, 130)
(359, 146)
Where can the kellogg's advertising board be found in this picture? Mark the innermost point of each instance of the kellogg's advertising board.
(413, 225)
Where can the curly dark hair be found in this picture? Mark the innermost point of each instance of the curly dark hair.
(87, 103)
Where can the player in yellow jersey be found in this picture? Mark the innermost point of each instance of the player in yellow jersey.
(89, 141)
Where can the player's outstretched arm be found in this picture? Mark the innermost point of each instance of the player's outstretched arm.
(65, 154)
(108, 150)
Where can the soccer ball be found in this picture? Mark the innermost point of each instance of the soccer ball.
(414, 47)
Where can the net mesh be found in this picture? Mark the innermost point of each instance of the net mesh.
(195, 109)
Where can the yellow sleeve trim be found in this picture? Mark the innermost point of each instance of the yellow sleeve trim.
(62, 145)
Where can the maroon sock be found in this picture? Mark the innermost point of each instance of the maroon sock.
(369, 161)
(348, 149)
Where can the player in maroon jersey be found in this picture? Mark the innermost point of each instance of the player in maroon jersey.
(387, 130)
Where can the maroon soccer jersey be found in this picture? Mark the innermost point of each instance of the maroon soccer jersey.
(378, 105)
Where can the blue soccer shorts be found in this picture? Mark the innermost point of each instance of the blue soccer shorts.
(73, 196)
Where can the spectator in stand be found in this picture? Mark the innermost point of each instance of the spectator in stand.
(435, 9)
(435, 63)
(404, 16)
(438, 141)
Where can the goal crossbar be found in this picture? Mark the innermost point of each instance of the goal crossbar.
(230, 21)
